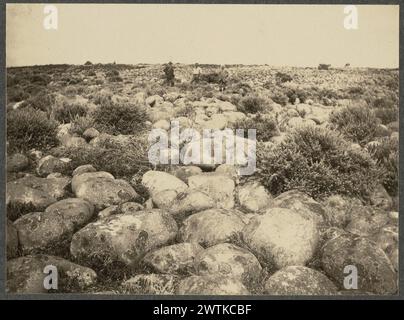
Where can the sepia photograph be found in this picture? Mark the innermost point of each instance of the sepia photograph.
(201, 150)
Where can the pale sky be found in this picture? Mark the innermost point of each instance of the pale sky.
(290, 35)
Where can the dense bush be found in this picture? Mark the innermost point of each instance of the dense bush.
(81, 124)
(319, 162)
(266, 127)
(67, 112)
(211, 77)
(387, 115)
(386, 152)
(280, 98)
(122, 118)
(29, 128)
(16, 94)
(357, 123)
(253, 104)
(282, 77)
(295, 93)
(41, 101)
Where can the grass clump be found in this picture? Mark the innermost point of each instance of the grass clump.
(120, 118)
(357, 123)
(30, 129)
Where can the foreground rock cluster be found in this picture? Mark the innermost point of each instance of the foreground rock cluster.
(203, 233)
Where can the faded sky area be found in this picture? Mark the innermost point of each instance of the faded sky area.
(290, 35)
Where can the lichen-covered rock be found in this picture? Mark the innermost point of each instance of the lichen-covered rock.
(124, 237)
(164, 198)
(91, 133)
(366, 220)
(301, 203)
(175, 259)
(48, 231)
(26, 274)
(102, 189)
(253, 197)
(282, 237)
(228, 260)
(229, 170)
(338, 210)
(219, 187)
(375, 271)
(130, 207)
(184, 172)
(151, 284)
(51, 164)
(211, 227)
(299, 280)
(38, 193)
(211, 285)
(189, 202)
(11, 240)
(83, 169)
(109, 211)
(158, 181)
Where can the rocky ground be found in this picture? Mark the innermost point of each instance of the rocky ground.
(89, 202)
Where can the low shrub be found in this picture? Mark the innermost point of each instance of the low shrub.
(282, 77)
(387, 115)
(211, 77)
(67, 112)
(81, 124)
(29, 128)
(41, 101)
(280, 98)
(122, 118)
(253, 104)
(266, 127)
(295, 93)
(319, 162)
(16, 94)
(357, 123)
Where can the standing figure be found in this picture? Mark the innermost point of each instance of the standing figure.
(169, 73)
(223, 75)
(196, 73)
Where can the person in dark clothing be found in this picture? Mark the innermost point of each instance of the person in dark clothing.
(169, 73)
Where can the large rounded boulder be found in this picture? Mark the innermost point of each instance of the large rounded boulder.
(228, 260)
(26, 274)
(102, 189)
(123, 238)
(211, 285)
(211, 227)
(49, 231)
(175, 259)
(375, 271)
(299, 280)
(282, 237)
(219, 187)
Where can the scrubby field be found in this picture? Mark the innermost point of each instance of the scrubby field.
(83, 196)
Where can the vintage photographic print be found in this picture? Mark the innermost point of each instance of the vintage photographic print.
(202, 149)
